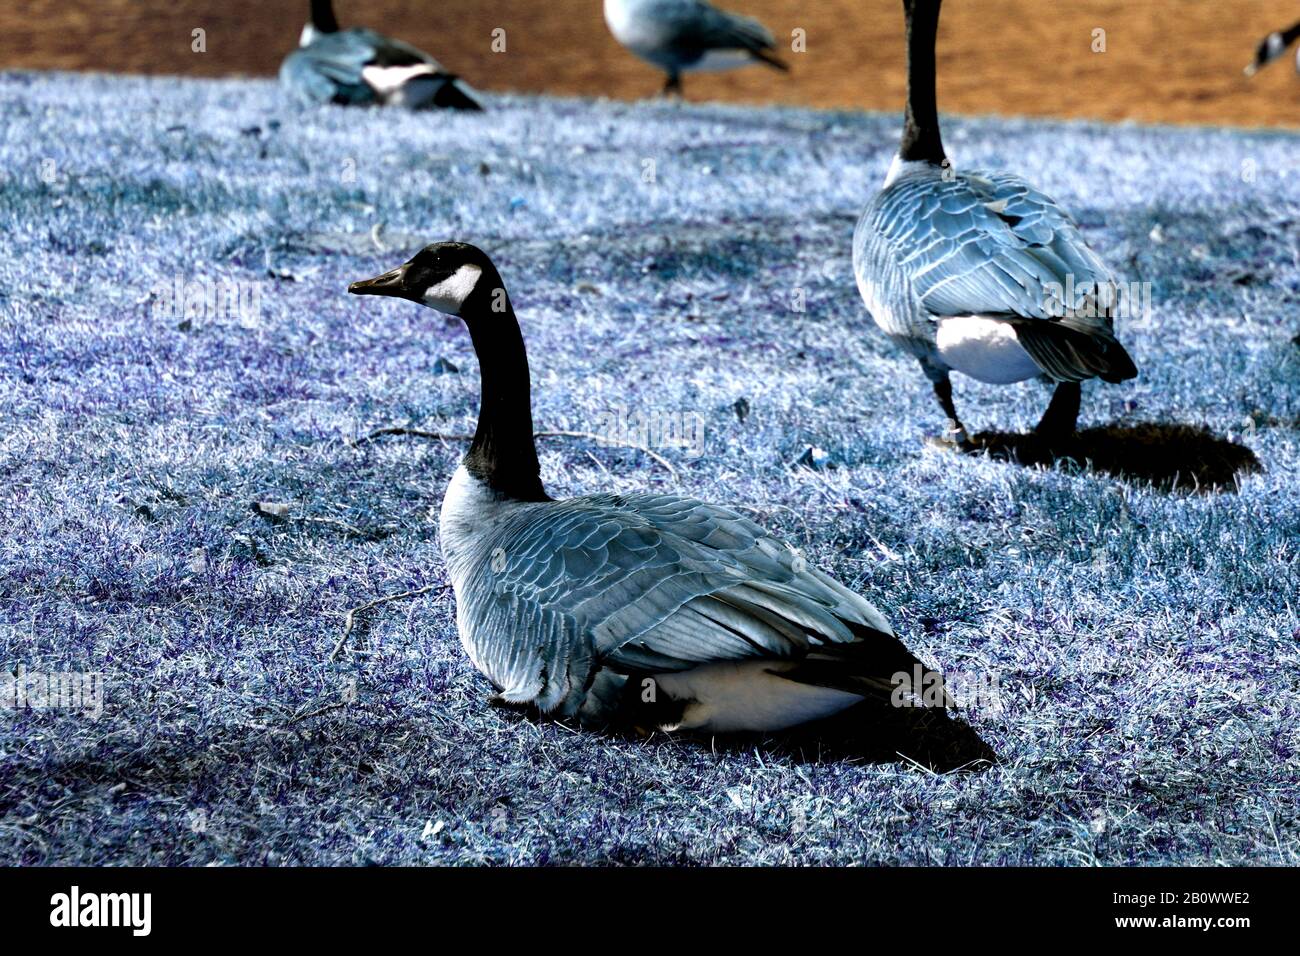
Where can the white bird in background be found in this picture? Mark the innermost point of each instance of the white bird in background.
(980, 272)
(651, 609)
(682, 35)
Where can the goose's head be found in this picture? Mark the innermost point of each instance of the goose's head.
(1269, 49)
(452, 277)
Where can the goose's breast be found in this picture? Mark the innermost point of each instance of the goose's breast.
(622, 20)
(636, 29)
(468, 526)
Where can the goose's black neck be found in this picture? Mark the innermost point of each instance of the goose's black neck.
(921, 124)
(1291, 34)
(322, 16)
(502, 454)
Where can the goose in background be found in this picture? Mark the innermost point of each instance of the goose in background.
(653, 610)
(681, 35)
(979, 271)
(1272, 47)
(359, 67)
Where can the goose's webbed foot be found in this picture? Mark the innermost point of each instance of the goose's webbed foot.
(959, 443)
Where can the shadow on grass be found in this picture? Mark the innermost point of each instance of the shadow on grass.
(1169, 457)
(872, 732)
(869, 732)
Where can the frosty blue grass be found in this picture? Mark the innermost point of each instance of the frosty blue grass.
(1144, 643)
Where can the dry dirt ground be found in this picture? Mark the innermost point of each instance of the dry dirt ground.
(1164, 61)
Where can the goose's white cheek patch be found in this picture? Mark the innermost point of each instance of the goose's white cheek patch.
(450, 294)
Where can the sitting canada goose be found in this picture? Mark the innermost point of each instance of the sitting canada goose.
(359, 67)
(654, 609)
(680, 35)
(1272, 47)
(980, 272)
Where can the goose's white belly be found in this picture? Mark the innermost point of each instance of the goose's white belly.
(748, 695)
(390, 82)
(717, 60)
(985, 349)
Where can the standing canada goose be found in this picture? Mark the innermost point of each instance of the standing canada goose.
(1272, 47)
(980, 272)
(681, 35)
(360, 67)
(654, 609)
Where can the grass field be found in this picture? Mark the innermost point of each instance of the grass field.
(1136, 644)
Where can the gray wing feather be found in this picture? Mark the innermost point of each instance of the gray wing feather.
(329, 69)
(642, 583)
(313, 78)
(989, 244)
(696, 25)
(986, 244)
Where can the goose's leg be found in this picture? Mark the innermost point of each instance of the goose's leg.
(673, 87)
(956, 434)
(1062, 412)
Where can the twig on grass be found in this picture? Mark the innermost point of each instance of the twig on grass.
(337, 523)
(350, 618)
(916, 764)
(773, 506)
(412, 432)
(551, 433)
(592, 436)
(277, 512)
(338, 704)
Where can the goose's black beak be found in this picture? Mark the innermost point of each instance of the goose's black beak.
(390, 283)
